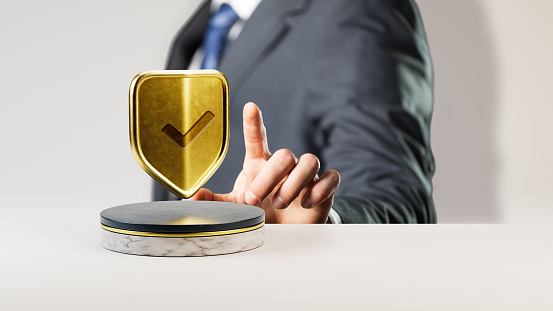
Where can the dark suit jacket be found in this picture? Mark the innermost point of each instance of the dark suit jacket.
(349, 81)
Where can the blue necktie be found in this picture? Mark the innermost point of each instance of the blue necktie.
(216, 36)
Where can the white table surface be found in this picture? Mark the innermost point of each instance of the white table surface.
(52, 260)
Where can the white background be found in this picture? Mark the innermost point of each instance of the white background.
(66, 67)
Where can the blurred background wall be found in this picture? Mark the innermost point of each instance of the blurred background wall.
(66, 67)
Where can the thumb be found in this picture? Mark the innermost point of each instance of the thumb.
(206, 195)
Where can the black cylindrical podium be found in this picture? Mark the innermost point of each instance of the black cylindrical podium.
(182, 228)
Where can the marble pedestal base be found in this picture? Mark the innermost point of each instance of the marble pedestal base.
(182, 228)
(187, 246)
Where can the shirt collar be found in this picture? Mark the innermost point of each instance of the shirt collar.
(244, 8)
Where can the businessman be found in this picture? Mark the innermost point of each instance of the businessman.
(346, 89)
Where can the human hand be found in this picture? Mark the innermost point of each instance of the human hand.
(287, 189)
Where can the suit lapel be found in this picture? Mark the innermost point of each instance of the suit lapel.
(189, 38)
(261, 34)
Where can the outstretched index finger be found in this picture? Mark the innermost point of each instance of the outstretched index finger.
(255, 137)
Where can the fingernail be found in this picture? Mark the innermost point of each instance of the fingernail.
(306, 203)
(251, 199)
(279, 203)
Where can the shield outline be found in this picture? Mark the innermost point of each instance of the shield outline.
(134, 130)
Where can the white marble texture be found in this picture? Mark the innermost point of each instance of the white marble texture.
(179, 247)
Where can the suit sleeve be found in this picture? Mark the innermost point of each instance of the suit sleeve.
(371, 100)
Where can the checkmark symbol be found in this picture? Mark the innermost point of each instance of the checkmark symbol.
(184, 140)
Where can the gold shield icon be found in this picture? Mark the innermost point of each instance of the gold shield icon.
(179, 127)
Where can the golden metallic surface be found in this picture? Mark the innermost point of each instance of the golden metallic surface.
(191, 220)
(182, 235)
(179, 127)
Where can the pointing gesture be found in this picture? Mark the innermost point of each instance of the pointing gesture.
(288, 189)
